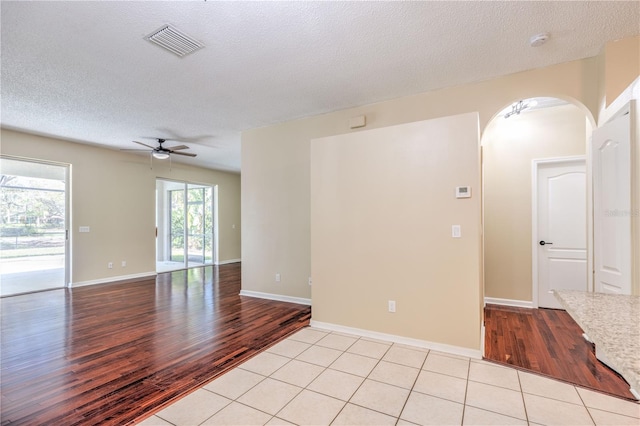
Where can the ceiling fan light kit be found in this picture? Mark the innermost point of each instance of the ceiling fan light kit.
(160, 155)
(160, 152)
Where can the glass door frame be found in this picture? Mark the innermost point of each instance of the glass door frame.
(67, 210)
(166, 232)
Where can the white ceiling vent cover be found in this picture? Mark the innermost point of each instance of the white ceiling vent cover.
(174, 41)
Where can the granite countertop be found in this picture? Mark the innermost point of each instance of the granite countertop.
(612, 322)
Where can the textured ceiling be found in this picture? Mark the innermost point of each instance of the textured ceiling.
(84, 72)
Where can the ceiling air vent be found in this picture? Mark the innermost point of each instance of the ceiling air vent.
(174, 41)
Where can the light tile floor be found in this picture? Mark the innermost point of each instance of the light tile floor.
(316, 377)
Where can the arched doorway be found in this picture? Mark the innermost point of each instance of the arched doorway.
(546, 134)
(516, 151)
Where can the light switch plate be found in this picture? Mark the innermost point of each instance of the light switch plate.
(456, 231)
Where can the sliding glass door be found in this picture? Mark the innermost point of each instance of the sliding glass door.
(176, 225)
(185, 220)
(33, 226)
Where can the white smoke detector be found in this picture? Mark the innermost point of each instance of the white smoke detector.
(538, 39)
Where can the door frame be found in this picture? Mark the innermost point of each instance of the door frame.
(535, 165)
(67, 210)
(215, 214)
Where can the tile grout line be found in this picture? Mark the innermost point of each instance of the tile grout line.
(365, 379)
(324, 369)
(524, 404)
(252, 387)
(354, 392)
(412, 386)
(585, 406)
(466, 390)
(301, 388)
(225, 406)
(161, 418)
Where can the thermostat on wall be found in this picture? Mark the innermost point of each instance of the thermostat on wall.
(463, 192)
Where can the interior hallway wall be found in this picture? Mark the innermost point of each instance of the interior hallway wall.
(382, 208)
(275, 163)
(509, 146)
(276, 202)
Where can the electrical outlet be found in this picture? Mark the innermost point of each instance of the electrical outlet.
(392, 305)
(456, 231)
(124, 263)
(278, 277)
(110, 265)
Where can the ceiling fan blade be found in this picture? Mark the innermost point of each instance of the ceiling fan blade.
(188, 154)
(135, 150)
(144, 144)
(177, 147)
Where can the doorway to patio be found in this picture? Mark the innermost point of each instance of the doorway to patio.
(33, 226)
(186, 223)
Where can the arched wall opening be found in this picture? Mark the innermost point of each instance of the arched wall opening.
(554, 128)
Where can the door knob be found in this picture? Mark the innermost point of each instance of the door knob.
(543, 242)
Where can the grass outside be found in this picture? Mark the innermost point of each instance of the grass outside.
(28, 252)
(45, 242)
(177, 255)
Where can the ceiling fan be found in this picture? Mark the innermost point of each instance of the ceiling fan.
(160, 152)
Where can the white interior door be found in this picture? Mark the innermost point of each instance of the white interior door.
(612, 206)
(561, 241)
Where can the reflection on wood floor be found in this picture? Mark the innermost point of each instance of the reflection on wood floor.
(548, 342)
(113, 353)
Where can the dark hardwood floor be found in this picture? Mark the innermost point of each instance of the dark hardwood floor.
(114, 353)
(547, 342)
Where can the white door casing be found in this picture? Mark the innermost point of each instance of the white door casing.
(560, 220)
(611, 156)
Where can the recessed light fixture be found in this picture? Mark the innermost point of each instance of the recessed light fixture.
(538, 39)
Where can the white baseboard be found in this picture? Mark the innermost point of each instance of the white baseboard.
(111, 280)
(441, 347)
(278, 297)
(509, 302)
(226, 262)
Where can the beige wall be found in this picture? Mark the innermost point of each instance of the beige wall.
(114, 194)
(275, 163)
(276, 160)
(382, 206)
(622, 66)
(275, 177)
(509, 146)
